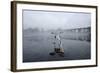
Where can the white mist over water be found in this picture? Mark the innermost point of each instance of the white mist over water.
(54, 20)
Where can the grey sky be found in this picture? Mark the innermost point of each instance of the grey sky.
(54, 20)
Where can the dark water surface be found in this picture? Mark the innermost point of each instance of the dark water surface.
(37, 46)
